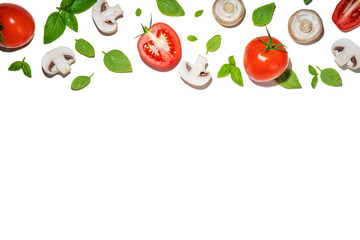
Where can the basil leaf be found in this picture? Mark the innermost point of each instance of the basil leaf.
(192, 38)
(138, 12)
(116, 61)
(307, 2)
(331, 77)
(80, 82)
(65, 4)
(232, 60)
(54, 28)
(289, 80)
(263, 15)
(170, 8)
(70, 20)
(314, 82)
(199, 13)
(213, 44)
(224, 71)
(235, 74)
(84, 48)
(26, 69)
(313, 71)
(80, 6)
(15, 66)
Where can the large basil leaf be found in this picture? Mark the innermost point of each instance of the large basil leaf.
(116, 61)
(70, 20)
(80, 6)
(170, 8)
(54, 28)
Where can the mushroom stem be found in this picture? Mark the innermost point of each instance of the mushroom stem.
(111, 14)
(343, 58)
(62, 65)
(200, 65)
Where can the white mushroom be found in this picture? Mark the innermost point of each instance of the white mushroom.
(58, 61)
(105, 17)
(347, 54)
(229, 13)
(196, 75)
(305, 27)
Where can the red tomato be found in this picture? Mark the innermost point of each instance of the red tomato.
(347, 15)
(16, 24)
(160, 47)
(264, 63)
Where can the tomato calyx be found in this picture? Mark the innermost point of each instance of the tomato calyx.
(1, 37)
(270, 45)
(145, 28)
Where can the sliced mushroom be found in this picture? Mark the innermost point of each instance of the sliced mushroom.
(58, 61)
(306, 27)
(196, 75)
(229, 13)
(347, 54)
(105, 17)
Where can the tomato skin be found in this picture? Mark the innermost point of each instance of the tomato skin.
(18, 25)
(264, 65)
(347, 15)
(160, 47)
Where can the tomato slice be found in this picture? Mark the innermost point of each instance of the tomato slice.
(347, 15)
(160, 47)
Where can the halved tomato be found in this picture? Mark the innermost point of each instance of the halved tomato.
(347, 15)
(160, 47)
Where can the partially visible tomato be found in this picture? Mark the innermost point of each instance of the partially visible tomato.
(347, 15)
(160, 47)
(17, 26)
(265, 62)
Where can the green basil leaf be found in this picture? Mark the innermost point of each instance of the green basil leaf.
(26, 69)
(232, 60)
(199, 13)
(213, 44)
(15, 66)
(170, 8)
(116, 61)
(314, 82)
(331, 77)
(80, 6)
(235, 74)
(224, 71)
(70, 20)
(307, 2)
(65, 4)
(138, 12)
(263, 15)
(192, 38)
(54, 28)
(84, 48)
(80, 82)
(313, 71)
(289, 80)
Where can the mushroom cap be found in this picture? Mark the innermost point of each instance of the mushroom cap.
(105, 17)
(347, 54)
(195, 75)
(229, 13)
(305, 27)
(63, 56)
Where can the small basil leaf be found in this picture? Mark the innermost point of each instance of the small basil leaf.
(313, 71)
(289, 80)
(26, 69)
(224, 71)
(213, 44)
(192, 38)
(314, 82)
(236, 76)
(307, 2)
(170, 8)
(331, 77)
(15, 66)
(232, 60)
(70, 20)
(80, 6)
(80, 82)
(84, 48)
(65, 4)
(138, 12)
(199, 13)
(54, 28)
(263, 15)
(116, 61)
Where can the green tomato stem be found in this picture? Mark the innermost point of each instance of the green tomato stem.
(1, 37)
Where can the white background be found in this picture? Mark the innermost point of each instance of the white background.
(143, 156)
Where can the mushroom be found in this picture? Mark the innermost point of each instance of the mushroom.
(347, 54)
(229, 13)
(58, 61)
(305, 27)
(105, 17)
(196, 75)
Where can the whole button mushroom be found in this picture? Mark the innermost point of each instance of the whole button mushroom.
(347, 54)
(305, 27)
(229, 13)
(105, 17)
(196, 75)
(58, 61)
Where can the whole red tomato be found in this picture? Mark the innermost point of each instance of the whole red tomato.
(160, 47)
(16, 26)
(265, 59)
(347, 15)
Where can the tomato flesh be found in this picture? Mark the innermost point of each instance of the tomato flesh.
(347, 15)
(265, 65)
(160, 47)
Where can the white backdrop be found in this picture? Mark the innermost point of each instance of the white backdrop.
(143, 156)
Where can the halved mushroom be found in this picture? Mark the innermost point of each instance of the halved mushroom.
(196, 75)
(306, 27)
(229, 13)
(58, 61)
(347, 54)
(105, 17)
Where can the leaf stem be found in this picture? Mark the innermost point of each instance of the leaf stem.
(91, 75)
(319, 68)
(23, 60)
